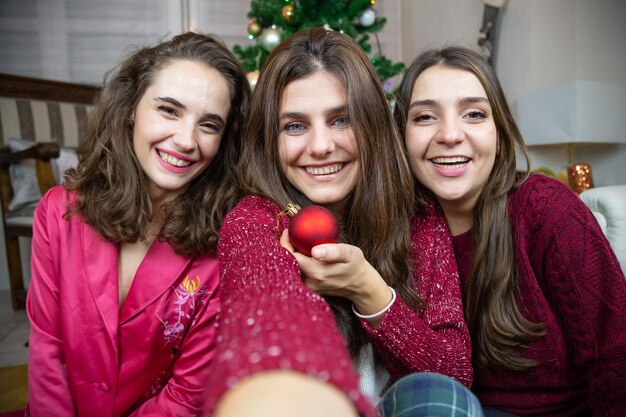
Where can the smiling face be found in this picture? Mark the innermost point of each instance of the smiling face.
(451, 136)
(317, 147)
(178, 125)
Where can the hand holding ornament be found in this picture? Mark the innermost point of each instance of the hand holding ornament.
(339, 269)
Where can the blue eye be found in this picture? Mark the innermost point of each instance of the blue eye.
(294, 128)
(342, 121)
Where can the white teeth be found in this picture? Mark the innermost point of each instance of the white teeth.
(457, 160)
(324, 171)
(173, 160)
(453, 166)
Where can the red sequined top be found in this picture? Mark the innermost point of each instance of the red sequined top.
(569, 279)
(271, 320)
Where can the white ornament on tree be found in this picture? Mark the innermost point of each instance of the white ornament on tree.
(368, 17)
(270, 38)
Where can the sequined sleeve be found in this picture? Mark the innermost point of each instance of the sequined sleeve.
(435, 338)
(270, 319)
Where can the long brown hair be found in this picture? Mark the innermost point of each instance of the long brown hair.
(377, 212)
(111, 188)
(498, 329)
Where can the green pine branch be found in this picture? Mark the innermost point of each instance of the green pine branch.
(340, 15)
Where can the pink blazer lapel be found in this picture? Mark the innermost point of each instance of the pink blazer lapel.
(100, 263)
(159, 270)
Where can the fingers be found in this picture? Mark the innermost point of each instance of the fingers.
(336, 253)
(284, 241)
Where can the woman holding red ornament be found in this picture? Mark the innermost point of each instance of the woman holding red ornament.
(545, 298)
(388, 301)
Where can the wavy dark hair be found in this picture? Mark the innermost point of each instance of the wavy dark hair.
(377, 213)
(498, 329)
(111, 186)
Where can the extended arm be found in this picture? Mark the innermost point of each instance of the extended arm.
(270, 320)
(435, 338)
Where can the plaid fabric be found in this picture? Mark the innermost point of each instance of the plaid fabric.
(429, 395)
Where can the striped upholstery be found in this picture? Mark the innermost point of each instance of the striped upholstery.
(42, 121)
(42, 111)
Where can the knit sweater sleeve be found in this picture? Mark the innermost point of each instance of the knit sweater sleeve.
(435, 338)
(583, 278)
(270, 320)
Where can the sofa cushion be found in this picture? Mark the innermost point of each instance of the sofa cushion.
(67, 159)
(23, 177)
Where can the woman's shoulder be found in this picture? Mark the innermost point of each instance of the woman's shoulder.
(57, 198)
(252, 207)
(540, 190)
(253, 216)
(541, 201)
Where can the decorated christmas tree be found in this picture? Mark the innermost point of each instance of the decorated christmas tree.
(271, 21)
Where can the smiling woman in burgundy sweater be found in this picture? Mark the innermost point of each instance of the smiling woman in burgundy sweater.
(544, 295)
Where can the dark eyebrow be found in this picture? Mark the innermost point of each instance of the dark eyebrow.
(418, 103)
(465, 100)
(339, 109)
(172, 101)
(473, 100)
(292, 115)
(332, 111)
(209, 116)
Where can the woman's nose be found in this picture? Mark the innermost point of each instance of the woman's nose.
(450, 131)
(185, 138)
(321, 142)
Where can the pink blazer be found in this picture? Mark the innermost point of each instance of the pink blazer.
(88, 357)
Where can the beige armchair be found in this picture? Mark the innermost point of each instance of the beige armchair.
(45, 118)
(608, 204)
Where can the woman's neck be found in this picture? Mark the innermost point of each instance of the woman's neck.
(460, 218)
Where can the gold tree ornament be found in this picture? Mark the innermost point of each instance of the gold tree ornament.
(254, 28)
(287, 13)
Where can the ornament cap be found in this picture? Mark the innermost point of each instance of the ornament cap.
(291, 210)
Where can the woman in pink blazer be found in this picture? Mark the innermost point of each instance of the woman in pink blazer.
(124, 274)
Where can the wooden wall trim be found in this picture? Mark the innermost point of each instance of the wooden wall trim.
(47, 90)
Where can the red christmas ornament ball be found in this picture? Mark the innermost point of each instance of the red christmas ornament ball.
(311, 226)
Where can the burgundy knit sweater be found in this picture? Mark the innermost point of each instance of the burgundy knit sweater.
(570, 280)
(271, 320)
